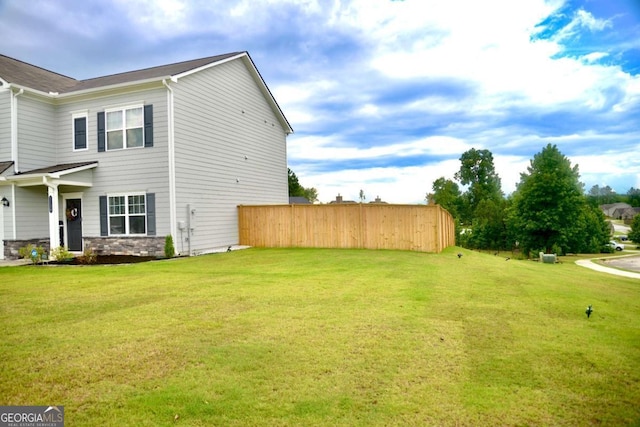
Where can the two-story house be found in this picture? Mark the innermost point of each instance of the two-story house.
(116, 163)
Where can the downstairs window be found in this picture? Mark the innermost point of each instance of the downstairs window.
(127, 214)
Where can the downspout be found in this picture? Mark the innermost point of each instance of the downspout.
(14, 128)
(53, 210)
(172, 163)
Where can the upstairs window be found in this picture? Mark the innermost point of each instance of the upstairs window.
(125, 128)
(127, 214)
(79, 131)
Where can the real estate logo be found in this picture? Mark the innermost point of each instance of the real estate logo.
(31, 416)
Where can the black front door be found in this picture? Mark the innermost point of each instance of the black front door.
(74, 224)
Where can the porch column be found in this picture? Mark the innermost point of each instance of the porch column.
(54, 217)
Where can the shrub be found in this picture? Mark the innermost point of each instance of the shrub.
(27, 252)
(88, 257)
(606, 249)
(61, 254)
(169, 250)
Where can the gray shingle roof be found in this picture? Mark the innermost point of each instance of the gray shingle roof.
(4, 166)
(57, 168)
(23, 74)
(31, 76)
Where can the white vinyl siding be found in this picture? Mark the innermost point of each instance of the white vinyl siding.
(230, 150)
(32, 215)
(121, 171)
(37, 133)
(5, 125)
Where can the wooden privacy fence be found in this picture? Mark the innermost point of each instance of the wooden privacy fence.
(423, 228)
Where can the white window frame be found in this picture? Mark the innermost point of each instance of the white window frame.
(126, 214)
(124, 126)
(79, 115)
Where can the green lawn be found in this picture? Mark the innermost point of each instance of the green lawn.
(313, 337)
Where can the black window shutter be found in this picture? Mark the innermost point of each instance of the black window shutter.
(104, 217)
(148, 125)
(101, 132)
(80, 133)
(151, 214)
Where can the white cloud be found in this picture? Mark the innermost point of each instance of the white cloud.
(392, 185)
(160, 17)
(333, 148)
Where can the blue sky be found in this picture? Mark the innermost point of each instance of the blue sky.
(385, 95)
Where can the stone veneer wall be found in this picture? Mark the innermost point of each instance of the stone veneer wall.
(139, 246)
(12, 247)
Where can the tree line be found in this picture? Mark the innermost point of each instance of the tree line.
(549, 210)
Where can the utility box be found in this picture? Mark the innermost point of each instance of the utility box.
(549, 258)
(191, 217)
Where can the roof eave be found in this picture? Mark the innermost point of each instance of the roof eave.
(109, 87)
(53, 175)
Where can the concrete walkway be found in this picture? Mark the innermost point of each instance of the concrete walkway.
(598, 267)
(14, 262)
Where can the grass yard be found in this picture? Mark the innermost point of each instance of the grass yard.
(314, 337)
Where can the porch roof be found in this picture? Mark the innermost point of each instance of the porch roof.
(4, 166)
(60, 172)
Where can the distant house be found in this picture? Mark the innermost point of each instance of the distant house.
(622, 211)
(378, 200)
(340, 200)
(297, 200)
(116, 163)
(629, 214)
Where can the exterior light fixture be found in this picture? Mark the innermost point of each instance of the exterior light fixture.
(5, 202)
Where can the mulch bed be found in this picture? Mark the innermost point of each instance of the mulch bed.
(111, 259)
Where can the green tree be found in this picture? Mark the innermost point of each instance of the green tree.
(297, 190)
(592, 230)
(602, 195)
(634, 234)
(311, 194)
(446, 193)
(489, 228)
(549, 207)
(633, 197)
(482, 206)
(478, 172)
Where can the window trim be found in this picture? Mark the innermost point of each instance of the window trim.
(123, 109)
(126, 214)
(80, 115)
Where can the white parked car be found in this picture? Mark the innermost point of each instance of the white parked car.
(617, 246)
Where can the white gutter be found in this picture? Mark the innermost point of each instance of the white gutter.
(172, 164)
(14, 128)
(57, 95)
(108, 87)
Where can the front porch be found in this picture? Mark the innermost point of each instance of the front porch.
(44, 206)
